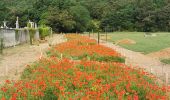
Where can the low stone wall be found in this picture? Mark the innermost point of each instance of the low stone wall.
(12, 38)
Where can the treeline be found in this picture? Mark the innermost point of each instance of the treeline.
(87, 15)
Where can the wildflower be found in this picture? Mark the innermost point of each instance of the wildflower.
(3, 98)
(135, 97)
(4, 89)
(8, 82)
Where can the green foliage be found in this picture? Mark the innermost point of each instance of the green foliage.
(29, 25)
(49, 95)
(110, 59)
(81, 15)
(17, 34)
(44, 31)
(32, 33)
(165, 61)
(93, 25)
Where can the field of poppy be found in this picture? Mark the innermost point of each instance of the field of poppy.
(81, 48)
(82, 69)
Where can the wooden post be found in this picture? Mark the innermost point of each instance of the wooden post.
(6, 70)
(151, 70)
(162, 69)
(89, 34)
(61, 56)
(106, 34)
(166, 78)
(1, 46)
(98, 38)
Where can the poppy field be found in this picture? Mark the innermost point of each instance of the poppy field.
(81, 69)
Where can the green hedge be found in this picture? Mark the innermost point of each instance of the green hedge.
(32, 32)
(44, 31)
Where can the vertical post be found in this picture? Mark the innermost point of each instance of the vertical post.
(166, 78)
(106, 34)
(61, 56)
(151, 70)
(1, 46)
(6, 70)
(98, 37)
(89, 34)
(162, 69)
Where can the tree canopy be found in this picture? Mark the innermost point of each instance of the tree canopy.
(87, 15)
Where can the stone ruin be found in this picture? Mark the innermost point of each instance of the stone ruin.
(17, 35)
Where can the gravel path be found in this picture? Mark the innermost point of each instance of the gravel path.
(14, 60)
(137, 59)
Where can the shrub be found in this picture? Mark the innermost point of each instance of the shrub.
(44, 31)
(32, 33)
(110, 59)
(29, 25)
(165, 61)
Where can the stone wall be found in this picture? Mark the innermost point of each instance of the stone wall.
(12, 38)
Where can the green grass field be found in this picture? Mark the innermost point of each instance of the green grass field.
(143, 44)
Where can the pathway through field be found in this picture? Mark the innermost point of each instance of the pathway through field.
(15, 59)
(143, 61)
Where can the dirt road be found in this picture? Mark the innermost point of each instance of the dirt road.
(15, 59)
(148, 63)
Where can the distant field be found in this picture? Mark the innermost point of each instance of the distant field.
(143, 44)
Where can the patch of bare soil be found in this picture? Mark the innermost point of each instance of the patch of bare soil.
(126, 41)
(15, 59)
(163, 54)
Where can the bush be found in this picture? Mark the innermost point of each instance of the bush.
(32, 33)
(165, 61)
(44, 31)
(110, 59)
(29, 25)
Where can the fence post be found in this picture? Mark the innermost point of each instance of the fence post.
(106, 34)
(61, 56)
(1, 46)
(89, 34)
(98, 38)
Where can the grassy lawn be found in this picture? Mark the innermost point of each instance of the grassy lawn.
(143, 44)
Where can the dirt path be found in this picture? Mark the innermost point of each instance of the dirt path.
(162, 54)
(150, 64)
(14, 60)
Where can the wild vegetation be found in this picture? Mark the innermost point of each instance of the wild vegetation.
(87, 15)
(61, 77)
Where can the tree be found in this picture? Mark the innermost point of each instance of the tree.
(3, 12)
(81, 16)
